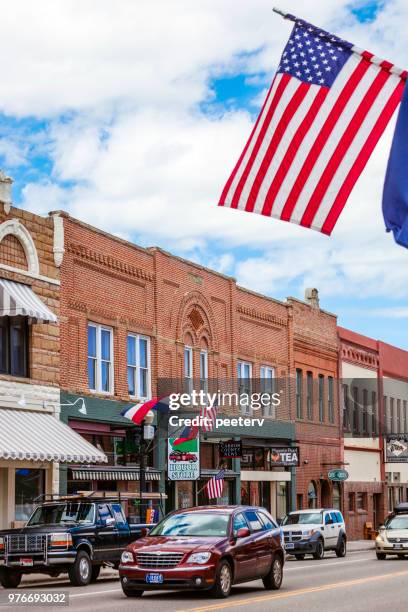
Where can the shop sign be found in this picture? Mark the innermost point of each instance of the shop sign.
(287, 456)
(397, 448)
(183, 460)
(230, 449)
(338, 474)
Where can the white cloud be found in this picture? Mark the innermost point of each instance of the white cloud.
(142, 160)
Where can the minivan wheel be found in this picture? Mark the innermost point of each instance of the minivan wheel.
(300, 557)
(80, 572)
(223, 580)
(319, 552)
(381, 556)
(273, 580)
(341, 550)
(9, 579)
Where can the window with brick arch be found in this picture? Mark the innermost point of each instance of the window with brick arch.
(12, 253)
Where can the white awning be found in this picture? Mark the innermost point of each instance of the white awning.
(35, 436)
(18, 299)
(113, 473)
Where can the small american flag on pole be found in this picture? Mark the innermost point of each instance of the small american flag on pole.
(324, 113)
(215, 485)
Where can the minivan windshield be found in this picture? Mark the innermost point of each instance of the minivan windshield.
(397, 522)
(63, 514)
(303, 518)
(196, 524)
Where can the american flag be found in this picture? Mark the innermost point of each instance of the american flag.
(211, 414)
(215, 485)
(327, 107)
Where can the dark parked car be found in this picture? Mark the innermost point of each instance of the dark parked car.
(75, 535)
(208, 547)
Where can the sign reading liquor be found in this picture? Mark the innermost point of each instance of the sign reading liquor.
(397, 448)
(230, 449)
(287, 456)
(183, 460)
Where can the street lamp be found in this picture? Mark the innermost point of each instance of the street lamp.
(147, 434)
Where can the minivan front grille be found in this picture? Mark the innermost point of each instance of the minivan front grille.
(159, 560)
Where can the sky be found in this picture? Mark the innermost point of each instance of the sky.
(131, 115)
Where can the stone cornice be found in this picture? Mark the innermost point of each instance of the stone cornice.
(107, 261)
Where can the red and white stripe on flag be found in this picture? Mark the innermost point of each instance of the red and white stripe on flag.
(215, 485)
(209, 414)
(324, 113)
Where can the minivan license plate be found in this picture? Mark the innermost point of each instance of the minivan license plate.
(397, 545)
(290, 545)
(154, 578)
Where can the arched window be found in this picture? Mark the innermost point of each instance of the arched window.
(312, 495)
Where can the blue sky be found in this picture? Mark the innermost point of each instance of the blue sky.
(139, 138)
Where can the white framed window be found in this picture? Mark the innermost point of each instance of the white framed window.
(244, 375)
(204, 370)
(100, 358)
(267, 376)
(188, 369)
(138, 366)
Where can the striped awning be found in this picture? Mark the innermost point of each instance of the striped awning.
(112, 473)
(18, 299)
(37, 436)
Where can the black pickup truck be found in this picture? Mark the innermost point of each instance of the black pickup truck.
(76, 535)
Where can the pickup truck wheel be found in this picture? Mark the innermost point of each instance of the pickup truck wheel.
(80, 572)
(341, 550)
(223, 580)
(381, 556)
(96, 570)
(273, 580)
(319, 552)
(9, 579)
(300, 557)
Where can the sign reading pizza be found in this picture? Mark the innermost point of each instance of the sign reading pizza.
(287, 456)
(397, 448)
(183, 460)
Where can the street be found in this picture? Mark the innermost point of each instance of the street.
(358, 582)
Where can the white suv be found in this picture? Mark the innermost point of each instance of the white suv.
(314, 531)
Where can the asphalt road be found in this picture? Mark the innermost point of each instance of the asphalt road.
(358, 582)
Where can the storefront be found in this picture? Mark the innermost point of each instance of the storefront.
(33, 443)
(102, 425)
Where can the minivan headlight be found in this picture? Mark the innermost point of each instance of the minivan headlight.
(200, 558)
(127, 557)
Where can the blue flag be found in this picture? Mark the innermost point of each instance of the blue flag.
(395, 194)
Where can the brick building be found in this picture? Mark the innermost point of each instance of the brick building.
(32, 440)
(132, 320)
(365, 490)
(318, 427)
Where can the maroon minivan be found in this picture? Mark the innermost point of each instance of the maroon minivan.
(208, 547)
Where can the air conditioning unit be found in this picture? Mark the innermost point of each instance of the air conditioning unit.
(388, 478)
(396, 477)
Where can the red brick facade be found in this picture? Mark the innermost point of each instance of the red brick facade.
(318, 432)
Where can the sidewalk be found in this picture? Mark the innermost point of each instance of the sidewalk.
(357, 545)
